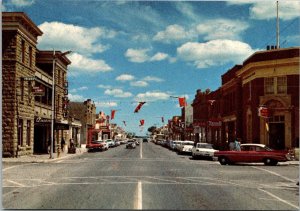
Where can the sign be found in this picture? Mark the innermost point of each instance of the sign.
(42, 120)
(263, 112)
(29, 78)
(59, 126)
(214, 123)
(38, 91)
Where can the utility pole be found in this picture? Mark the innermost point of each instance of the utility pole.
(277, 28)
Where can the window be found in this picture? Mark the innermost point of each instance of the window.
(22, 90)
(281, 85)
(28, 132)
(29, 91)
(269, 85)
(20, 132)
(23, 51)
(30, 56)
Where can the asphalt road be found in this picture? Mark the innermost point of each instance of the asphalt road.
(148, 177)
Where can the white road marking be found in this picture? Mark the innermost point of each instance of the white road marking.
(274, 173)
(16, 183)
(138, 202)
(279, 199)
(11, 167)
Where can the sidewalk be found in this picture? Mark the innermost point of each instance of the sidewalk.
(43, 158)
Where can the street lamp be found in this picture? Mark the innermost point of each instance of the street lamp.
(53, 100)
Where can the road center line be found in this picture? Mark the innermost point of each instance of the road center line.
(271, 172)
(141, 150)
(139, 197)
(277, 198)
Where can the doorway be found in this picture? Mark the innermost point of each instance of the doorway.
(276, 136)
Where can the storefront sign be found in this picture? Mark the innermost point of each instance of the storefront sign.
(38, 91)
(201, 124)
(263, 112)
(42, 120)
(214, 123)
(59, 126)
(29, 78)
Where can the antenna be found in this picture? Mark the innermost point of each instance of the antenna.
(277, 29)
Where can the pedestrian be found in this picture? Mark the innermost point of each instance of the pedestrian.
(237, 145)
(63, 142)
(71, 143)
(49, 144)
(231, 146)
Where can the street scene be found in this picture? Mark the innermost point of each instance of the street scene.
(148, 177)
(141, 105)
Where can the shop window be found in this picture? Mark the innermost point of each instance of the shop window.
(281, 85)
(269, 85)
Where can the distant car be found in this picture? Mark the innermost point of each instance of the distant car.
(253, 153)
(177, 145)
(204, 150)
(145, 140)
(130, 144)
(117, 143)
(186, 147)
(110, 143)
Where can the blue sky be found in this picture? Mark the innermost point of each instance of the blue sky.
(130, 51)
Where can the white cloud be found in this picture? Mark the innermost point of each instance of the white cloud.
(71, 37)
(140, 55)
(173, 33)
(139, 83)
(222, 29)
(82, 64)
(125, 77)
(104, 86)
(152, 78)
(215, 52)
(83, 88)
(137, 55)
(117, 93)
(22, 3)
(106, 104)
(76, 98)
(152, 96)
(159, 56)
(265, 10)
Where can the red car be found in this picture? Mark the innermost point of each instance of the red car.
(253, 153)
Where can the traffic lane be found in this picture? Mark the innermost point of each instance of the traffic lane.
(197, 196)
(73, 194)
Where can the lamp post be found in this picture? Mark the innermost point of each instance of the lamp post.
(53, 100)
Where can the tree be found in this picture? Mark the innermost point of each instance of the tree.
(152, 129)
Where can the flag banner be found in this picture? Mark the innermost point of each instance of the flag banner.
(112, 116)
(136, 110)
(182, 102)
(124, 123)
(162, 119)
(142, 122)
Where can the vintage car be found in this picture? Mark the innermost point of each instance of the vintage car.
(97, 145)
(130, 144)
(204, 150)
(253, 153)
(186, 147)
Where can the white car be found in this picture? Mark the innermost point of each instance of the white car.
(177, 145)
(186, 147)
(110, 143)
(203, 150)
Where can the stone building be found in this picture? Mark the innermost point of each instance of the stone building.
(27, 89)
(85, 112)
(18, 73)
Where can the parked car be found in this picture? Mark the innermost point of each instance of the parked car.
(177, 145)
(117, 143)
(96, 145)
(186, 147)
(110, 143)
(130, 144)
(253, 153)
(204, 150)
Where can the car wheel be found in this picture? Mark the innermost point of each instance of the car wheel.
(193, 156)
(270, 162)
(223, 160)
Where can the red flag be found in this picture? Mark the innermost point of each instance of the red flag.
(142, 122)
(182, 102)
(124, 123)
(136, 110)
(112, 116)
(162, 119)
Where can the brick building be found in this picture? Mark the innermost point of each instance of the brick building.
(86, 113)
(271, 79)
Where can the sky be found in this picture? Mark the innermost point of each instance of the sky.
(125, 52)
